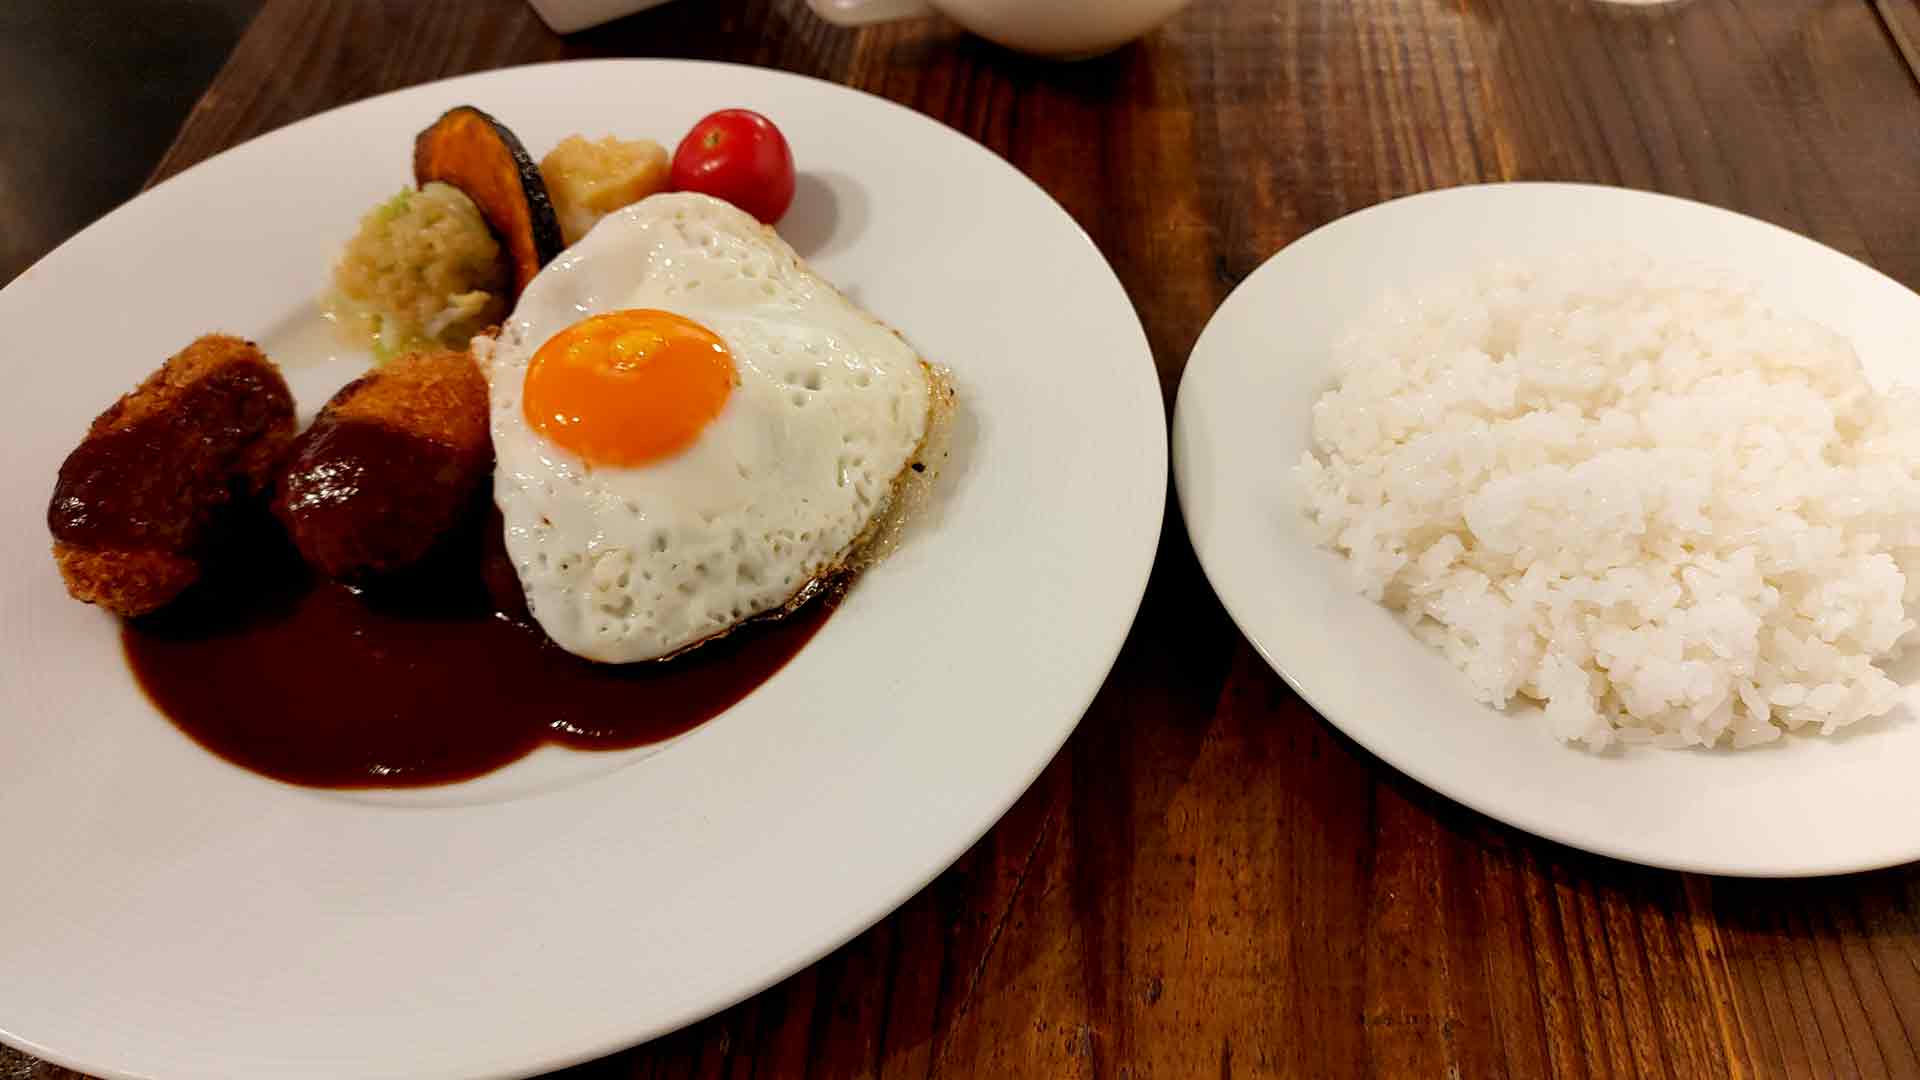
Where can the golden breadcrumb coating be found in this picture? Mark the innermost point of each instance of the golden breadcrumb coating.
(212, 425)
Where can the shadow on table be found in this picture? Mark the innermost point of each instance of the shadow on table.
(776, 36)
(1582, 901)
(90, 96)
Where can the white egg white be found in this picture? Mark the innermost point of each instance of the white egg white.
(628, 564)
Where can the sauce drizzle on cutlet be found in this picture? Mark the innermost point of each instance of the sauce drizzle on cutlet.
(122, 488)
(361, 495)
(306, 682)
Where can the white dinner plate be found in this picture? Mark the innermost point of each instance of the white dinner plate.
(1804, 805)
(164, 913)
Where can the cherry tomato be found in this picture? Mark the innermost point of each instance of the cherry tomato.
(737, 155)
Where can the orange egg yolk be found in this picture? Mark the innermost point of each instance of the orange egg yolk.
(628, 387)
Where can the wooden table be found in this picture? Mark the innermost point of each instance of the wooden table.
(1209, 880)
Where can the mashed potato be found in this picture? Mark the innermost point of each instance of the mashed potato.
(423, 271)
(1664, 511)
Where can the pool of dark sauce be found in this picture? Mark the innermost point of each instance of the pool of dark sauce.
(428, 682)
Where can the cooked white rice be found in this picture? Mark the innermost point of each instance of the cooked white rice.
(1630, 493)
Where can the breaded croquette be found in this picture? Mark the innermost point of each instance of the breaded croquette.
(392, 465)
(138, 501)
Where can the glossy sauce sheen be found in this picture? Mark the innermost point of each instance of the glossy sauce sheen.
(308, 683)
(121, 488)
(359, 494)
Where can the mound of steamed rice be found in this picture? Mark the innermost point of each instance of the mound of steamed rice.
(1638, 497)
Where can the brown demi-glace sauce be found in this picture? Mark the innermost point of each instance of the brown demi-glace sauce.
(124, 488)
(308, 683)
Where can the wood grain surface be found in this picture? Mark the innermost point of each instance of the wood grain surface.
(1209, 880)
(1903, 25)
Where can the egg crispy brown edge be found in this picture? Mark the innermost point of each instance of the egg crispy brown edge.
(887, 519)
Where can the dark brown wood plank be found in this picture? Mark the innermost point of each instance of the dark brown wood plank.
(1903, 25)
(1209, 880)
(299, 59)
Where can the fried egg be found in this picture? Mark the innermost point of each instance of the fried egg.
(690, 428)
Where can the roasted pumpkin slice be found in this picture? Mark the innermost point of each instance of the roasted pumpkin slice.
(477, 154)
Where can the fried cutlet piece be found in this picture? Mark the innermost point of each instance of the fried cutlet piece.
(139, 500)
(393, 465)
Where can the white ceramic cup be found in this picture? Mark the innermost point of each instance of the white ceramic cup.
(1062, 29)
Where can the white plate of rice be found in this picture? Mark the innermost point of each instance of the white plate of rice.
(1575, 504)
